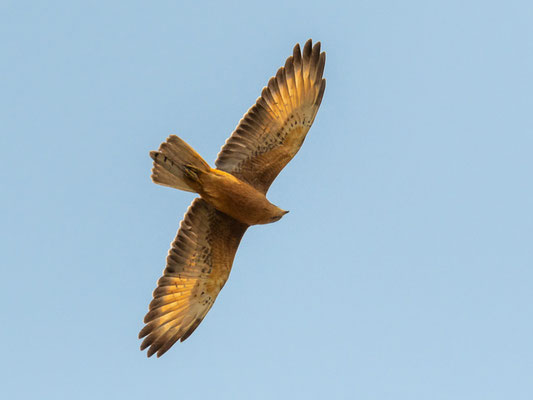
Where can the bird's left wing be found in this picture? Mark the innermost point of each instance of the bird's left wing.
(198, 265)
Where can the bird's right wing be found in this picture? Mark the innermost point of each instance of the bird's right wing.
(273, 130)
(198, 265)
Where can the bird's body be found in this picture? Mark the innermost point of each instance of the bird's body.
(232, 196)
(220, 189)
(238, 199)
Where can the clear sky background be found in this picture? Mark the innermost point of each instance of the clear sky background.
(405, 268)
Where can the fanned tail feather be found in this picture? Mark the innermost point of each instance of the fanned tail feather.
(177, 165)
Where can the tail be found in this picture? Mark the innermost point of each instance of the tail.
(177, 165)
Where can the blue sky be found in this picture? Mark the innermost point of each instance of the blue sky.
(405, 268)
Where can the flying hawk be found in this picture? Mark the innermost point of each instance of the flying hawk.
(232, 195)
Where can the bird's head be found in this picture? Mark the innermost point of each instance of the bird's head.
(278, 215)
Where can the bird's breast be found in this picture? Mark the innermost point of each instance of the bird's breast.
(235, 198)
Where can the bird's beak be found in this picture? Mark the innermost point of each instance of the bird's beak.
(285, 212)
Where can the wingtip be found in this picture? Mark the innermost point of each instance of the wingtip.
(151, 351)
(310, 46)
(307, 48)
(296, 49)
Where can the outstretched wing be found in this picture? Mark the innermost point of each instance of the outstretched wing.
(273, 130)
(198, 265)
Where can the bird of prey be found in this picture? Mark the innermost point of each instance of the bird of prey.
(232, 195)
